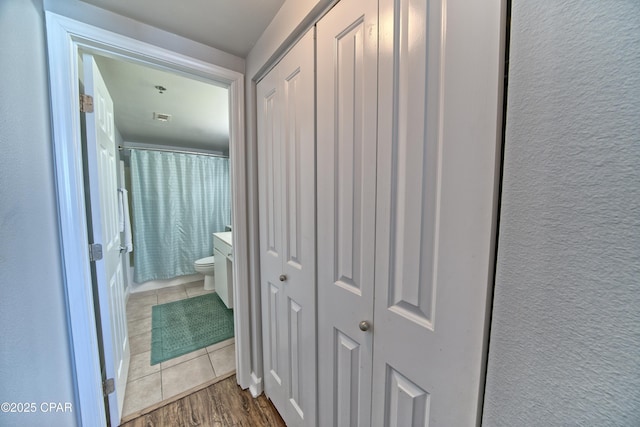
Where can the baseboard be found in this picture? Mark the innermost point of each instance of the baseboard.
(153, 285)
(256, 385)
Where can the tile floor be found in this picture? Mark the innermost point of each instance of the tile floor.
(148, 385)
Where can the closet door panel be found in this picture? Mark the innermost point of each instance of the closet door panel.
(299, 227)
(346, 112)
(269, 187)
(435, 204)
(288, 208)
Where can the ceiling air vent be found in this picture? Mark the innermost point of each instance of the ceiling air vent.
(161, 117)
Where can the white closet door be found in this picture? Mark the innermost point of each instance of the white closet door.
(286, 150)
(269, 189)
(438, 139)
(347, 102)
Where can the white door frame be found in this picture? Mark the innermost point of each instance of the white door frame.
(64, 37)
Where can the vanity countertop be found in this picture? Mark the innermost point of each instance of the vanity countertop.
(225, 237)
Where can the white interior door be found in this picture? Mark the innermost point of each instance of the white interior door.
(271, 251)
(347, 107)
(103, 190)
(286, 162)
(438, 136)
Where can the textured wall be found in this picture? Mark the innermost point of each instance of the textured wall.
(34, 344)
(565, 335)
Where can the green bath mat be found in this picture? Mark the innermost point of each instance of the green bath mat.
(184, 326)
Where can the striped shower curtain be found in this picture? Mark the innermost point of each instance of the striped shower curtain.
(178, 201)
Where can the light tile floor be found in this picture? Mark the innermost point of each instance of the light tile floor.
(148, 385)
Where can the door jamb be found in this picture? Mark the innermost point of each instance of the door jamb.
(64, 37)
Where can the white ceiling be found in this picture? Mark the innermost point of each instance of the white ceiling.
(199, 111)
(233, 26)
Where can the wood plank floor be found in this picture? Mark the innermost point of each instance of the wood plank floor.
(222, 404)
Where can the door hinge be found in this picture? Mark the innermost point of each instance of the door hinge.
(86, 104)
(108, 386)
(95, 252)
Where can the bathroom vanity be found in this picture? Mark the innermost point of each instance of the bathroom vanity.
(223, 253)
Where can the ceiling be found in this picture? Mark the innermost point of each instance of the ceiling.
(233, 26)
(199, 111)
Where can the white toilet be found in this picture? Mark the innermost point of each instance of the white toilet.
(206, 266)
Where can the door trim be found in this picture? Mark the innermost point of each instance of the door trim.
(65, 37)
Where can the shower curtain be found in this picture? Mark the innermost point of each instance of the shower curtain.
(178, 201)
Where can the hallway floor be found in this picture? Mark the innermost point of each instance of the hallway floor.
(221, 404)
(150, 387)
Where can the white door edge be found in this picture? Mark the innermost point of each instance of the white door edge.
(64, 37)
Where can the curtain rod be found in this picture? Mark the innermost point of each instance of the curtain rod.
(120, 147)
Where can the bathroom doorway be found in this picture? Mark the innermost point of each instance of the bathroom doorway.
(65, 38)
(184, 120)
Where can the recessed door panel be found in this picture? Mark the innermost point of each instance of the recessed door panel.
(347, 378)
(407, 404)
(274, 342)
(296, 373)
(348, 155)
(347, 78)
(415, 154)
(294, 104)
(271, 166)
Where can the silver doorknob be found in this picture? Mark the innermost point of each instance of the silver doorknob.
(364, 325)
(283, 277)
